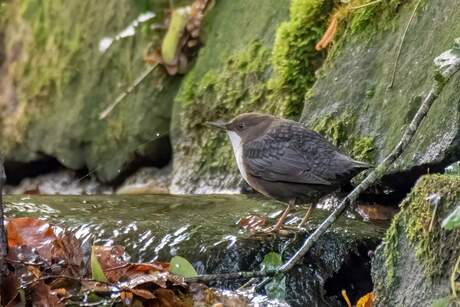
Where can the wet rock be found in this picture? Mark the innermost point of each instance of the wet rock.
(204, 229)
(353, 105)
(59, 183)
(414, 264)
(147, 180)
(66, 73)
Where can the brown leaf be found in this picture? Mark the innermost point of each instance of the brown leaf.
(41, 295)
(126, 297)
(366, 300)
(376, 211)
(252, 222)
(146, 294)
(157, 278)
(33, 233)
(112, 260)
(9, 290)
(166, 297)
(328, 36)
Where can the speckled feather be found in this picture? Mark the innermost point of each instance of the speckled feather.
(290, 153)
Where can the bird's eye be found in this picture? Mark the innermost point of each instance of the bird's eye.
(241, 126)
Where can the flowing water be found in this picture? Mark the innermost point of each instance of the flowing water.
(204, 229)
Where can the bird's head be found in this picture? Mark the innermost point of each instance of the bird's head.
(247, 126)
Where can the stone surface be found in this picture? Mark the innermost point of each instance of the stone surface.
(56, 80)
(414, 264)
(351, 101)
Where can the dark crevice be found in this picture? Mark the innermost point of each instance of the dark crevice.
(354, 276)
(16, 171)
(150, 156)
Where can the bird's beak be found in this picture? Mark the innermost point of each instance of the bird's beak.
(218, 124)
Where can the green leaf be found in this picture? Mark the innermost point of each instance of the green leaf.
(276, 289)
(271, 261)
(180, 266)
(171, 40)
(96, 270)
(452, 220)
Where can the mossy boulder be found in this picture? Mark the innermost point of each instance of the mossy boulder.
(258, 56)
(414, 264)
(352, 101)
(57, 77)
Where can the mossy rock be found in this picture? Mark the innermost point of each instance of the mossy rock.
(352, 104)
(258, 56)
(59, 80)
(414, 264)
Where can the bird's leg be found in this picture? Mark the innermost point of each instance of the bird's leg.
(282, 218)
(307, 215)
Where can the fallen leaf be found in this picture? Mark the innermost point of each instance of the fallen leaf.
(328, 36)
(376, 212)
(33, 233)
(146, 294)
(252, 222)
(180, 266)
(366, 300)
(112, 260)
(96, 269)
(158, 278)
(41, 295)
(126, 297)
(9, 290)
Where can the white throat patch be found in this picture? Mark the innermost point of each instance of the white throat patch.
(238, 151)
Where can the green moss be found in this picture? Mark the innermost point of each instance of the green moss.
(435, 249)
(294, 58)
(239, 86)
(339, 130)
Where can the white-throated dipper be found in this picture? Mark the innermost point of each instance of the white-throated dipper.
(283, 160)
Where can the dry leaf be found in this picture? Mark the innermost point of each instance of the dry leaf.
(328, 36)
(366, 300)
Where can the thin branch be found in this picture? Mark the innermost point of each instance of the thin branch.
(123, 95)
(398, 54)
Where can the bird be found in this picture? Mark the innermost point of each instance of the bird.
(283, 160)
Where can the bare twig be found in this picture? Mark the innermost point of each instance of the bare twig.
(403, 37)
(123, 95)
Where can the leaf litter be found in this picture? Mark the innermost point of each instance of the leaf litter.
(47, 267)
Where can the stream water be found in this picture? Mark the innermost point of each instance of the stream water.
(204, 229)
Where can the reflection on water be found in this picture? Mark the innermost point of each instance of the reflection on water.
(160, 226)
(150, 227)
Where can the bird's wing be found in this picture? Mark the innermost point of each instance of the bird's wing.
(288, 152)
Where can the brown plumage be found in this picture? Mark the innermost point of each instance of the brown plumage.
(283, 160)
